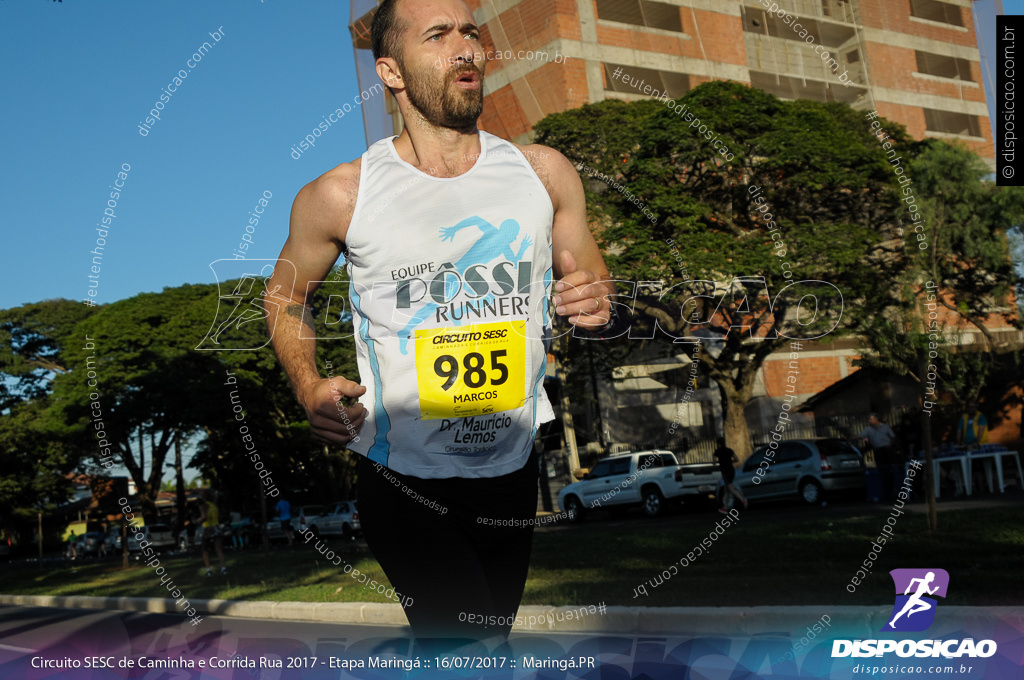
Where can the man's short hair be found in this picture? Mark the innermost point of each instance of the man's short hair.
(386, 31)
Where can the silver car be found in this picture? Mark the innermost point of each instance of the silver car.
(159, 536)
(339, 519)
(803, 468)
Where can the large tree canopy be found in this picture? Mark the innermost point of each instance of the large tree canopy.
(956, 276)
(805, 193)
(132, 382)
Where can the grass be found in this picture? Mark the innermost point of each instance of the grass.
(759, 561)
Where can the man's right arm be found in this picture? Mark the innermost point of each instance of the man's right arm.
(319, 222)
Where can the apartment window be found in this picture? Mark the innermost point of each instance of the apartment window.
(785, 87)
(634, 80)
(641, 13)
(837, 9)
(933, 10)
(756, 21)
(952, 123)
(853, 56)
(943, 66)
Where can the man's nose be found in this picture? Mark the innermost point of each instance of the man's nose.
(466, 55)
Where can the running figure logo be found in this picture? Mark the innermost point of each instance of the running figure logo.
(916, 611)
(491, 244)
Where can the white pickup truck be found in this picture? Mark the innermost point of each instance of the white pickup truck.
(644, 478)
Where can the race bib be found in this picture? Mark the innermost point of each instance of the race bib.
(471, 370)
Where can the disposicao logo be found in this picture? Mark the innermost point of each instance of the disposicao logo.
(914, 611)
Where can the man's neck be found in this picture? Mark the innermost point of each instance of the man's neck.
(438, 151)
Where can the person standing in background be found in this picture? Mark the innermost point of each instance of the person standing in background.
(209, 518)
(726, 459)
(284, 512)
(881, 438)
(972, 428)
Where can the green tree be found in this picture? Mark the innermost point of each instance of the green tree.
(293, 460)
(133, 363)
(33, 347)
(815, 168)
(33, 465)
(37, 449)
(127, 377)
(956, 263)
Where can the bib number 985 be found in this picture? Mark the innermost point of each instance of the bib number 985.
(471, 370)
(446, 366)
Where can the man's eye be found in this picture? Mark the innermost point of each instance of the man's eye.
(436, 35)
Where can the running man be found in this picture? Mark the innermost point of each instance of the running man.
(453, 416)
(915, 604)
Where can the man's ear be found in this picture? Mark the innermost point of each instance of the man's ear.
(389, 72)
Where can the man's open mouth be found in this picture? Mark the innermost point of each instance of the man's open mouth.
(468, 78)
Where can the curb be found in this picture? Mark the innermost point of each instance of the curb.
(686, 621)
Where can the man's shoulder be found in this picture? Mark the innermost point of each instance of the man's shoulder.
(552, 168)
(334, 191)
(543, 158)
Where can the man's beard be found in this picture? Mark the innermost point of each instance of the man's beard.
(443, 105)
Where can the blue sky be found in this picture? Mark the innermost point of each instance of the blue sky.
(80, 77)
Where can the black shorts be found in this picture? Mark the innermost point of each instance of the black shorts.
(728, 474)
(286, 525)
(209, 534)
(450, 563)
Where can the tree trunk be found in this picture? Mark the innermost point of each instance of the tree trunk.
(568, 428)
(929, 468)
(734, 418)
(142, 459)
(124, 544)
(736, 432)
(179, 476)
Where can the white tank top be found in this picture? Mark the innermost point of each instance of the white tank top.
(449, 283)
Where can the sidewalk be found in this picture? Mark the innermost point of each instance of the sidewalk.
(695, 621)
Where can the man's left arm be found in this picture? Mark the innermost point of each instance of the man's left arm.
(582, 279)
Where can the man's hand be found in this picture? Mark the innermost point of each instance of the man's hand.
(580, 295)
(328, 417)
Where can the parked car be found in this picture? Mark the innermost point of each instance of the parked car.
(699, 481)
(160, 536)
(112, 539)
(644, 478)
(340, 519)
(802, 468)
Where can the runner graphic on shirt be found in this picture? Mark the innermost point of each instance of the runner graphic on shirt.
(494, 243)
